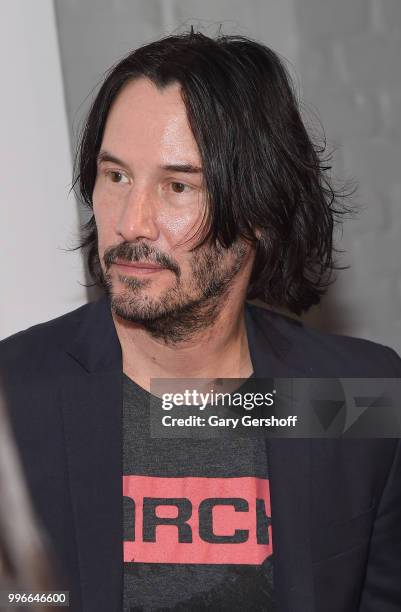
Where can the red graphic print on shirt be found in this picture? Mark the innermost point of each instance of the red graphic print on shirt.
(198, 520)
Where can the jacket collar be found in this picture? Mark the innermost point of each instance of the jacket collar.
(96, 346)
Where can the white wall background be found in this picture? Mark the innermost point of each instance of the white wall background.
(39, 280)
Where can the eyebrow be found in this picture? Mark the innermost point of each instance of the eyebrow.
(104, 156)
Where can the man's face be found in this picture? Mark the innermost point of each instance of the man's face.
(149, 200)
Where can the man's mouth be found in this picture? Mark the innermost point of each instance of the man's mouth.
(137, 267)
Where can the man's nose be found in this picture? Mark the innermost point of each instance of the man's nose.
(137, 218)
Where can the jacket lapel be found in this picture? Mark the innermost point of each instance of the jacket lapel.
(92, 412)
(272, 356)
(289, 472)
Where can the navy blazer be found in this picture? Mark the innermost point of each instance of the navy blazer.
(336, 503)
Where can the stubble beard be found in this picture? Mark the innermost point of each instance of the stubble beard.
(179, 313)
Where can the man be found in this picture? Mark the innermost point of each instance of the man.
(206, 191)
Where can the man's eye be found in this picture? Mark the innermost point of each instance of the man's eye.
(179, 187)
(117, 177)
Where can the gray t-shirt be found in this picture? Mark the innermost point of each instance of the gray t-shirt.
(197, 525)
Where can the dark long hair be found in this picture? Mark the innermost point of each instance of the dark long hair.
(262, 170)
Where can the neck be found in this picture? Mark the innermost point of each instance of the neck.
(217, 350)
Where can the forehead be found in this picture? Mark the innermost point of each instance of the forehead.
(145, 120)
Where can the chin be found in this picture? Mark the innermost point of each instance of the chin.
(137, 309)
(125, 310)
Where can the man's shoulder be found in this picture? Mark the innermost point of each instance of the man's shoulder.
(43, 339)
(317, 349)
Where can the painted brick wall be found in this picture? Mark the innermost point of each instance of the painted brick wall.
(350, 67)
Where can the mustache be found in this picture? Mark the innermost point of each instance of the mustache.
(138, 252)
